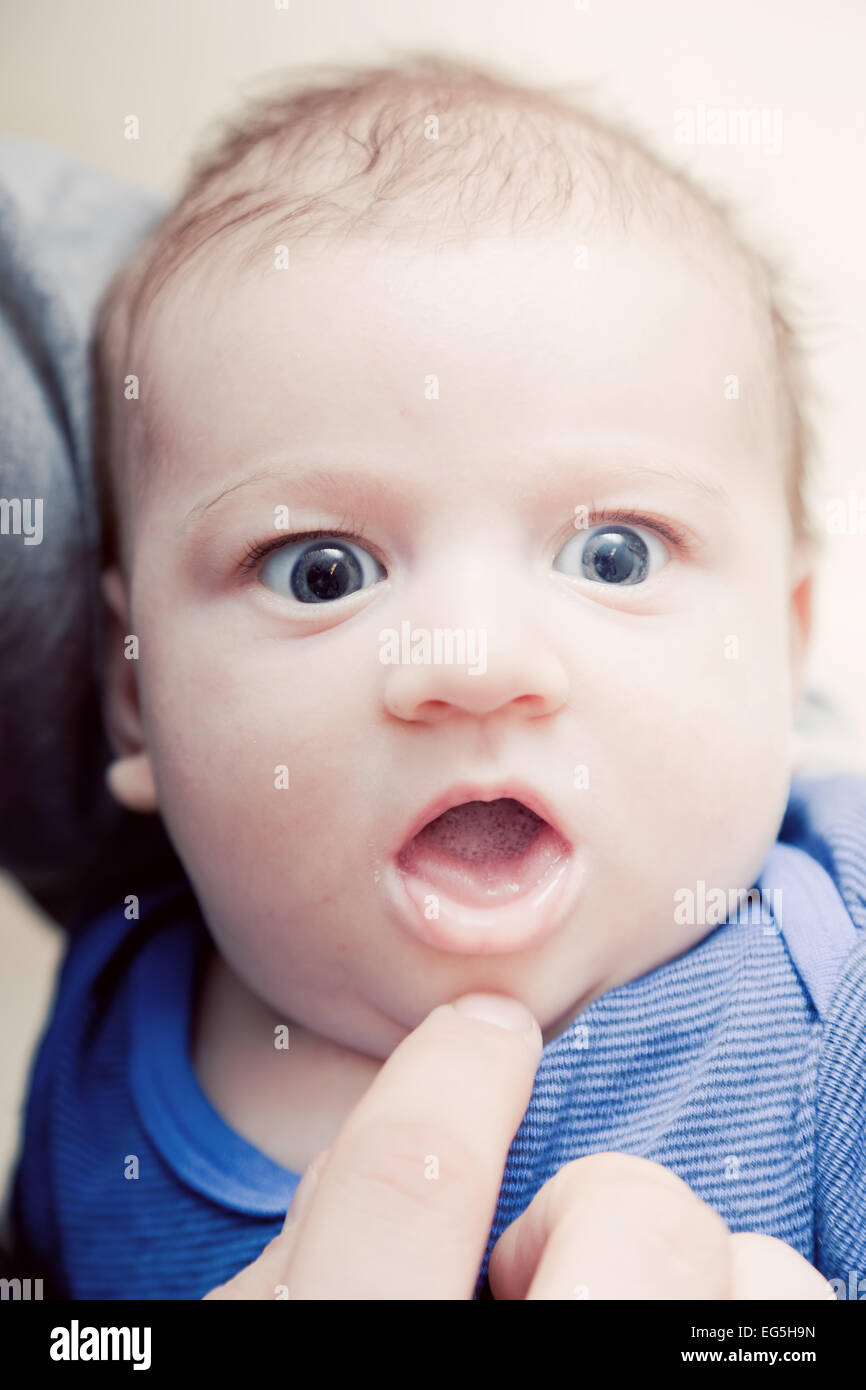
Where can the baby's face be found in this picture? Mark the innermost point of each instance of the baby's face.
(464, 415)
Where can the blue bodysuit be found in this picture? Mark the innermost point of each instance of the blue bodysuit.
(740, 1065)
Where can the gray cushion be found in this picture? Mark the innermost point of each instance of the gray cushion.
(64, 229)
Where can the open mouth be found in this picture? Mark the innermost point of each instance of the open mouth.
(484, 853)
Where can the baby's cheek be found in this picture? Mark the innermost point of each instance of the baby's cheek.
(252, 750)
(748, 701)
(697, 753)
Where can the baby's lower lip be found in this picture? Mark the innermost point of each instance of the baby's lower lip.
(495, 912)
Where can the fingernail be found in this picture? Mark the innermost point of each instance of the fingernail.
(497, 1008)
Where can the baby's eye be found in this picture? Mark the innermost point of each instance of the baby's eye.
(319, 570)
(613, 554)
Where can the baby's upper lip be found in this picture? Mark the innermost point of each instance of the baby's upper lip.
(462, 792)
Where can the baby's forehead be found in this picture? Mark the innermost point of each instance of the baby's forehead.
(677, 261)
(526, 343)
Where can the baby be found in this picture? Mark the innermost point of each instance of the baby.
(459, 578)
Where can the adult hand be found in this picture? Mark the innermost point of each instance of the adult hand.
(400, 1206)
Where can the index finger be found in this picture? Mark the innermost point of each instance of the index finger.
(404, 1205)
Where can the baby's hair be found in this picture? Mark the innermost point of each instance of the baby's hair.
(430, 150)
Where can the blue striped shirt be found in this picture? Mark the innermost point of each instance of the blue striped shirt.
(740, 1065)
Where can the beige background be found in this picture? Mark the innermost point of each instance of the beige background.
(72, 70)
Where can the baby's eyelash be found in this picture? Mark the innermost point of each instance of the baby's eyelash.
(680, 536)
(352, 530)
(348, 528)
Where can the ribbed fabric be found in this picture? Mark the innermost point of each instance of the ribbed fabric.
(741, 1066)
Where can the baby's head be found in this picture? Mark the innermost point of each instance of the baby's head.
(541, 407)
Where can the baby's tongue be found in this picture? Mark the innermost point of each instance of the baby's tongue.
(483, 853)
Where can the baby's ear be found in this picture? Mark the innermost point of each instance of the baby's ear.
(802, 570)
(130, 775)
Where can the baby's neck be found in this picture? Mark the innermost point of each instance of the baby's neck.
(289, 1103)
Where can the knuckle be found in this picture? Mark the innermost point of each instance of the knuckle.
(432, 1171)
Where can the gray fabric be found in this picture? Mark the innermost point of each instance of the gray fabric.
(64, 229)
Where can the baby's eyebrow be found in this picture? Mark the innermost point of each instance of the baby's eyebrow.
(365, 489)
(303, 480)
(595, 473)
(628, 472)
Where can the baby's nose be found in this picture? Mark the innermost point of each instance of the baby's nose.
(439, 673)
